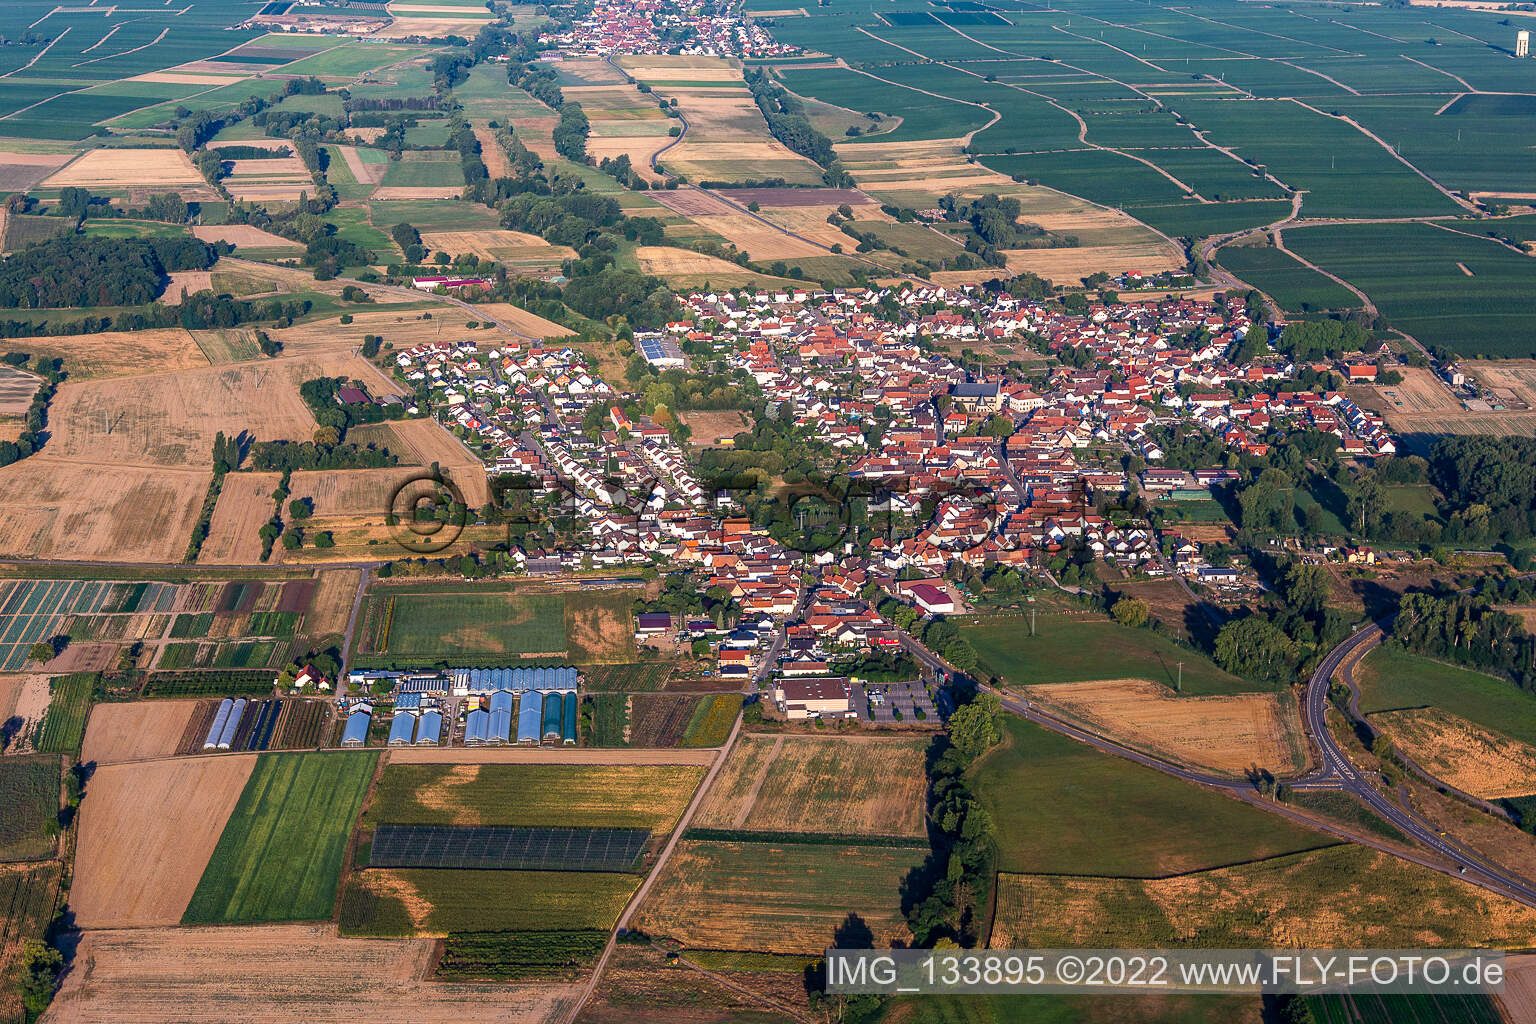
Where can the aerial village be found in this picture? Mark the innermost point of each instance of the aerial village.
(1014, 476)
(653, 26)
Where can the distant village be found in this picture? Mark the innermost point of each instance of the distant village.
(655, 26)
(1013, 473)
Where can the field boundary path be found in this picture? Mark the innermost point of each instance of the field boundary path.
(357, 605)
(661, 862)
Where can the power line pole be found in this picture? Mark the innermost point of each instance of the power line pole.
(1179, 686)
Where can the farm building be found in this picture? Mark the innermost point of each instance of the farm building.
(430, 729)
(402, 729)
(530, 717)
(651, 623)
(470, 682)
(476, 727)
(356, 732)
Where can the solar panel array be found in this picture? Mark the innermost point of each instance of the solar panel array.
(507, 847)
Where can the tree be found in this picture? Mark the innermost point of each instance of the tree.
(323, 539)
(41, 651)
(301, 508)
(974, 729)
(40, 967)
(1130, 611)
(1306, 588)
(1256, 648)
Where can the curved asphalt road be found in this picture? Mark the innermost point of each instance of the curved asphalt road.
(1335, 772)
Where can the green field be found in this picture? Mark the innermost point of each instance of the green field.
(1390, 679)
(29, 793)
(1070, 648)
(473, 624)
(425, 168)
(574, 796)
(1470, 1008)
(279, 858)
(1063, 808)
(68, 703)
(1278, 274)
(29, 896)
(433, 215)
(484, 901)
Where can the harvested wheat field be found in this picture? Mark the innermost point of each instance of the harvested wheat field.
(1225, 734)
(842, 785)
(761, 241)
(23, 696)
(146, 834)
(244, 507)
(511, 246)
(243, 235)
(1518, 1000)
(331, 605)
(273, 973)
(170, 419)
(1465, 755)
(521, 320)
(135, 731)
(1421, 404)
(603, 145)
(419, 191)
(127, 168)
(1340, 897)
(185, 282)
(684, 267)
(496, 162)
(61, 508)
(811, 222)
(119, 353)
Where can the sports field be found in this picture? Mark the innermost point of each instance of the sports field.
(1063, 808)
(1072, 648)
(279, 858)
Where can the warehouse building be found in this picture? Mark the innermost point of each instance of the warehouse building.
(476, 727)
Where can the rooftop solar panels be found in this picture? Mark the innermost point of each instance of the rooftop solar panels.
(507, 847)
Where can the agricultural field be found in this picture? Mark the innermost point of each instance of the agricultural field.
(135, 731)
(163, 973)
(1072, 648)
(712, 720)
(1294, 287)
(1349, 895)
(29, 791)
(68, 703)
(1223, 733)
(1391, 679)
(402, 625)
(1063, 808)
(778, 897)
(29, 896)
(279, 858)
(147, 832)
(849, 786)
(1473, 759)
(427, 901)
(568, 796)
